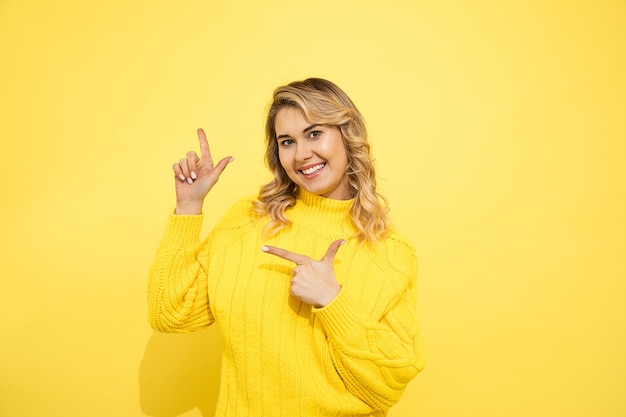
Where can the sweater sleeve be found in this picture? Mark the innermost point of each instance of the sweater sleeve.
(177, 282)
(377, 357)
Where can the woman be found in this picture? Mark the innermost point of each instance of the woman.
(313, 293)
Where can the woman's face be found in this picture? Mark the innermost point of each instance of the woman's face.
(313, 155)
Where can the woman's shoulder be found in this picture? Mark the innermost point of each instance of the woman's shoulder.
(397, 250)
(239, 214)
(399, 241)
(237, 221)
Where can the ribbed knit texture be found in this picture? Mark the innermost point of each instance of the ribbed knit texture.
(281, 357)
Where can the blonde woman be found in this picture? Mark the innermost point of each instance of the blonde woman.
(314, 294)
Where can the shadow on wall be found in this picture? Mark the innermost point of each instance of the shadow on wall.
(180, 372)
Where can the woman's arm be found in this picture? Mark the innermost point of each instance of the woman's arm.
(377, 356)
(376, 360)
(177, 283)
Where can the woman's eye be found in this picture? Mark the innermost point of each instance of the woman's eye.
(314, 134)
(286, 142)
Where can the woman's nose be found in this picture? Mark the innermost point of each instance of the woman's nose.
(303, 152)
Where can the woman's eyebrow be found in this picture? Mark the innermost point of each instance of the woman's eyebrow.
(313, 126)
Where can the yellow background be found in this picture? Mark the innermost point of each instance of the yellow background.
(500, 134)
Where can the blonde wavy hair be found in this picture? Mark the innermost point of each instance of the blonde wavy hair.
(323, 102)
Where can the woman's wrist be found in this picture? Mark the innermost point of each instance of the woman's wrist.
(188, 208)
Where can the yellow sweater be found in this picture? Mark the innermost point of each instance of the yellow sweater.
(282, 357)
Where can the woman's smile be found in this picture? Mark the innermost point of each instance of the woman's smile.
(311, 171)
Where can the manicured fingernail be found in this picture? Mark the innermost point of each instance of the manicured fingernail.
(193, 175)
(232, 158)
(182, 177)
(343, 242)
(189, 180)
(264, 248)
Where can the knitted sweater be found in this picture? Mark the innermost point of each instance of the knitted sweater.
(282, 357)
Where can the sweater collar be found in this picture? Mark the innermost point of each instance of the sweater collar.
(321, 214)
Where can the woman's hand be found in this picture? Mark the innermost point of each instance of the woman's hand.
(196, 176)
(313, 281)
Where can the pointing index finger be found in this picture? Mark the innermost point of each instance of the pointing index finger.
(204, 144)
(285, 254)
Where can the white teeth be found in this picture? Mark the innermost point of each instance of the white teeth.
(313, 169)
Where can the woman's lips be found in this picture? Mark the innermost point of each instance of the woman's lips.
(311, 171)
